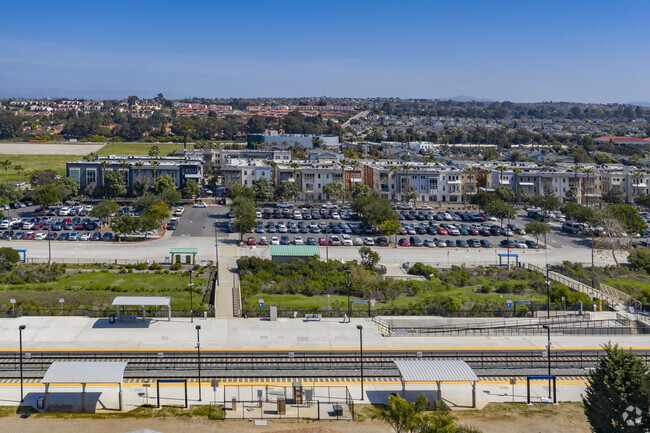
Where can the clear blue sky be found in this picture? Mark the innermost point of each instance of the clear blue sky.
(585, 51)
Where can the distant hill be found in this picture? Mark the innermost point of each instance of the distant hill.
(640, 104)
(43, 93)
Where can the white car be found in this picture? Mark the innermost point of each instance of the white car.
(40, 236)
(453, 230)
(447, 216)
(275, 241)
(64, 211)
(521, 244)
(89, 207)
(358, 242)
(282, 228)
(297, 215)
(82, 237)
(179, 211)
(347, 240)
(369, 242)
(4, 224)
(201, 204)
(28, 225)
(297, 240)
(335, 241)
(335, 215)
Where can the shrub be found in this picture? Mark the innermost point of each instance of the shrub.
(155, 266)
(141, 266)
(639, 258)
(176, 267)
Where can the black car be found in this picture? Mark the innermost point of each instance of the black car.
(311, 241)
(462, 243)
(97, 236)
(381, 242)
(107, 237)
(64, 236)
(485, 243)
(415, 241)
(450, 243)
(531, 245)
(507, 243)
(7, 234)
(474, 243)
(52, 236)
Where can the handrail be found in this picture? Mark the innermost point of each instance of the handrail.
(605, 293)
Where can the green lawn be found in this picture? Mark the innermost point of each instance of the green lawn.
(35, 162)
(96, 290)
(138, 148)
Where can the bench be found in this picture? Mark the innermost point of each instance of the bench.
(309, 317)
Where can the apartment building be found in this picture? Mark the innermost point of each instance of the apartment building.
(240, 171)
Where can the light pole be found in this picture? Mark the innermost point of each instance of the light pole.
(61, 301)
(360, 328)
(216, 250)
(548, 356)
(327, 237)
(191, 299)
(20, 338)
(49, 250)
(347, 277)
(548, 293)
(198, 355)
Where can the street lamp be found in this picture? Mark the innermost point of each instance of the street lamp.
(20, 338)
(548, 356)
(360, 328)
(548, 293)
(61, 301)
(198, 355)
(191, 299)
(216, 249)
(347, 277)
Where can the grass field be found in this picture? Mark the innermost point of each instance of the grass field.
(35, 162)
(96, 290)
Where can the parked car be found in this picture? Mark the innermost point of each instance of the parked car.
(18, 235)
(201, 204)
(251, 241)
(74, 236)
(486, 244)
(97, 236)
(382, 241)
(311, 241)
(415, 241)
(297, 240)
(430, 243)
(474, 243)
(275, 241)
(462, 243)
(335, 241)
(84, 236)
(369, 242)
(531, 245)
(322, 241)
(107, 237)
(29, 235)
(285, 240)
(346, 240)
(403, 242)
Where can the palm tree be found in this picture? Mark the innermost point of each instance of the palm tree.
(407, 167)
(104, 164)
(5, 164)
(485, 172)
(295, 167)
(154, 164)
(139, 164)
(517, 172)
(18, 168)
(501, 169)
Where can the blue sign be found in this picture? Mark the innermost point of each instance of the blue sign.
(509, 303)
(261, 302)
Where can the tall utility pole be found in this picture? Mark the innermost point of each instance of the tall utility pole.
(21, 328)
(548, 356)
(191, 299)
(216, 250)
(49, 250)
(360, 328)
(548, 293)
(347, 277)
(198, 355)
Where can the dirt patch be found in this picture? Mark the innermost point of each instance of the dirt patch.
(48, 149)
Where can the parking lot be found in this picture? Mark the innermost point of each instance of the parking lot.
(429, 232)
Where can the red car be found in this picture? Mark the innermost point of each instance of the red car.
(472, 231)
(251, 241)
(38, 226)
(29, 235)
(403, 242)
(263, 241)
(322, 242)
(441, 231)
(79, 226)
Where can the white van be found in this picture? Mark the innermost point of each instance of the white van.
(572, 227)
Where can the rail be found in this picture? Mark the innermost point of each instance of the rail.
(610, 295)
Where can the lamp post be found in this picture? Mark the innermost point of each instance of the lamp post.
(216, 250)
(548, 356)
(191, 299)
(20, 338)
(62, 301)
(360, 328)
(198, 355)
(347, 277)
(548, 293)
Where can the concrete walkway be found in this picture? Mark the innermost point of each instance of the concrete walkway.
(223, 306)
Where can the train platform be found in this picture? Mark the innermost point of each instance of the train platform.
(179, 334)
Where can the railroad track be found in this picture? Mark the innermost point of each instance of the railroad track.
(274, 363)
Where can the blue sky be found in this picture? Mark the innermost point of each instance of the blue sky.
(584, 51)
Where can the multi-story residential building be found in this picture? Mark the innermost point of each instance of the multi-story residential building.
(239, 171)
(91, 173)
(284, 141)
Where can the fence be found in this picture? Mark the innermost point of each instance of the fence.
(283, 402)
(128, 313)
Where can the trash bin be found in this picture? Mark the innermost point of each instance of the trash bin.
(111, 318)
(40, 403)
(282, 406)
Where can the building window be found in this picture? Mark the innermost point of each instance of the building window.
(91, 176)
(75, 174)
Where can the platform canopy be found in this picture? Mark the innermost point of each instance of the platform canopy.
(85, 372)
(435, 371)
(143, 301)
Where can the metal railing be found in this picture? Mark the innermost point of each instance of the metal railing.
(127, 314)
(621, 296)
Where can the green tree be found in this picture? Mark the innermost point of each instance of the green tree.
(410, 193)
(8, 257)
(614, 386)
(163, 183)
(578, 212)
(47, 195)
(501, 210)
(505, 193)
(68, 187)
(158, 211)
(10, 125)
(114, 184)
(571, 196)
(238, 190)
(145, 202)
(287, 190)
(125, 224)
(360, 190)
(154, 150)
(334, 191)
(170, 196)
(537, 229)
(19, 168)
(6, 164)
(190, 189)
(104, 210)
(263, 190)
(615, 195)
(399, 414)
(183, 126)
(639, 258)
(373, 210)
(629, 217)
(243, 210)
(390, 227)
(141, 186)
(42, 177)
(369, 257)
